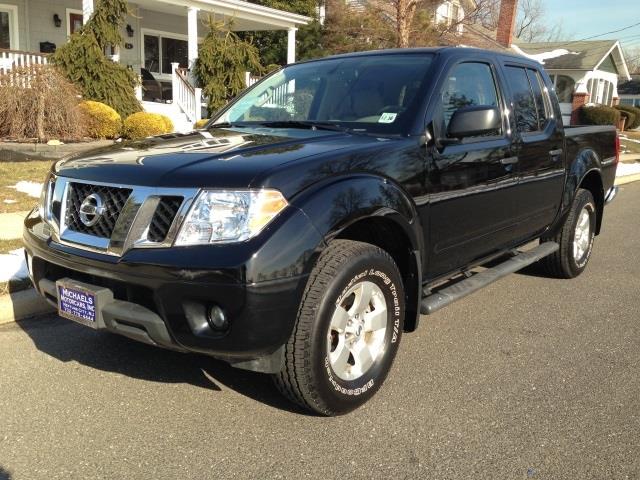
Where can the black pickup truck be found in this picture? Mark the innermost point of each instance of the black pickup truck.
(322, 211)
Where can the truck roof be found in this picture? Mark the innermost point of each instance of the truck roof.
(442, 50)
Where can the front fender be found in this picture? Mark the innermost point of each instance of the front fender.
(335, 204)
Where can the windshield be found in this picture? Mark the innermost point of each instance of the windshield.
(374, 93)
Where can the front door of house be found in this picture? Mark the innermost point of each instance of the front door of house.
(75, 22)
(7, 26)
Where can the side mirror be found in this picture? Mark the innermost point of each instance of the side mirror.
(474, 121)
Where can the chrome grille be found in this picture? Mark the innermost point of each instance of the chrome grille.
(114, 199)
(134, 216)
(163, 217)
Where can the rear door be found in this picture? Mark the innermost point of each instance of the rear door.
(538, 141)
(472, 183)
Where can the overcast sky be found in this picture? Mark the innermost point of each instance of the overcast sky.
(585, 18)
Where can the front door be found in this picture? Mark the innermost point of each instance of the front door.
(75, 22)
(473, 182)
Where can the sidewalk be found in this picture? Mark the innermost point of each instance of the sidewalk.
(11, 225)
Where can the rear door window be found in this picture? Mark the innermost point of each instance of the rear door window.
(524, 101)
(542, 107)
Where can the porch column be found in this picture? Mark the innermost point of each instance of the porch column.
(192, 31)
(87, 10)
(291, 45)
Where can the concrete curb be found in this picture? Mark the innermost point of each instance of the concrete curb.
(23, 304)
(627, 179)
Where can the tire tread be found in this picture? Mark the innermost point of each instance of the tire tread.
(293, 380)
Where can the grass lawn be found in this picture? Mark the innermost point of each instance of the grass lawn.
(9, 245)
(629, 146)
(14, 172)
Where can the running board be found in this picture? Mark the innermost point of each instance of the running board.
(434, 302)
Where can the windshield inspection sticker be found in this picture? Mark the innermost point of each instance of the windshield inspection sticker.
(387, 118)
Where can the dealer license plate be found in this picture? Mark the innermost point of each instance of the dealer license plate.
(77, 304)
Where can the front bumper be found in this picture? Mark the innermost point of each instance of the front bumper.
(161, 296)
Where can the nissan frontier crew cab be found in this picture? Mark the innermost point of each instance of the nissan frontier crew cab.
(312, 221)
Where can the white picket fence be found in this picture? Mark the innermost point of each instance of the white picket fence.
(10, 59)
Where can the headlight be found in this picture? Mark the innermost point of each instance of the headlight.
(219, 216)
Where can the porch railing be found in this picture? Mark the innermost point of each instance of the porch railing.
(10, 59)
(250, 79)
(185, 95)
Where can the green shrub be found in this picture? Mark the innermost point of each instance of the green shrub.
(629, 117)
(102, 121)
(47, 110)
(201, 123)
(222, 62)
(599, 115)
(635, 111)
(145, 124)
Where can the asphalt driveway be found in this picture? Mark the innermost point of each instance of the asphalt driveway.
(529, 378)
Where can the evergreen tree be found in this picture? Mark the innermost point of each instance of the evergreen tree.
(223, 59)
(272, 45)
(84, 62)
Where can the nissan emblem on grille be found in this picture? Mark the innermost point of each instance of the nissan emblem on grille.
(91, 209)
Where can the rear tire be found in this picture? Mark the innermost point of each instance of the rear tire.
(575, 239)
(347, 332)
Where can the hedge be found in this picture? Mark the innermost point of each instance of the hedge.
(599, 115)
(635, 111)
(201, 123)
(145, 124)
(102, 121)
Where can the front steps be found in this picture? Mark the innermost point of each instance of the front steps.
(181, 123)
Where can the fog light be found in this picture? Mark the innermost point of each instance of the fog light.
(217, 319)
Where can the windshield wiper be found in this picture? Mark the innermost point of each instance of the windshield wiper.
(306, 124)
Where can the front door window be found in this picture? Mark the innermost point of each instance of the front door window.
(75, 22)
(5, 29)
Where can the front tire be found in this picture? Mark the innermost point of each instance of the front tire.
(575, 239)
(347, 332)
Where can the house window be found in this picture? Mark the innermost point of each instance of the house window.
(161, 50)
(454, 13)
(8, 27)
(564, 88)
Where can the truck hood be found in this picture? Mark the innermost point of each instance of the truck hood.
(218, 158)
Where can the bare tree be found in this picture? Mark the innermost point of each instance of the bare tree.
(405, 11)
(632, 57)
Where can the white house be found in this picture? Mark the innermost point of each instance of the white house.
(158, 34)
(582, 71)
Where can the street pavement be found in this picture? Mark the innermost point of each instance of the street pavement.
(529, 378)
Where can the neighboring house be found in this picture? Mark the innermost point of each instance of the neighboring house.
(630, 91)
(158, 34)
(583, 72)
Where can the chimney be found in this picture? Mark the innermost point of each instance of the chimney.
(506, 22)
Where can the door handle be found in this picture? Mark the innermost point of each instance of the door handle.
(555, 153)
(509, 160)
